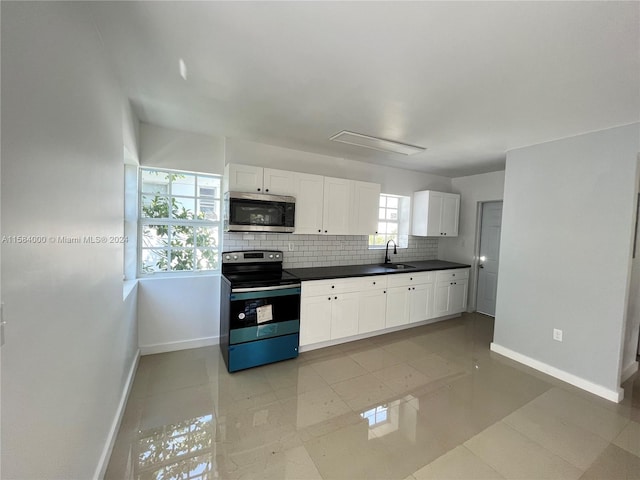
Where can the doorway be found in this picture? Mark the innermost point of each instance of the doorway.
(488, 257)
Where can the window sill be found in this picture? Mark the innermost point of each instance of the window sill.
(128, 286)
(179, 274)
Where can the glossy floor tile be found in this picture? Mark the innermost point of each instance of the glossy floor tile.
(431, 402)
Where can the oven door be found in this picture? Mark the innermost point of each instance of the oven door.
(263, 312)
(250, 212)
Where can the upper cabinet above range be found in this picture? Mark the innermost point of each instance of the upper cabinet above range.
(247, 178)
(435, 214)
(324, 205)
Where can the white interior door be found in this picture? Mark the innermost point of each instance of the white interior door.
(489, 252)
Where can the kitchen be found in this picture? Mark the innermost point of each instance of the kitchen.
(72, 342)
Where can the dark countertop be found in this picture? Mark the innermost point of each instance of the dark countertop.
(343, 271)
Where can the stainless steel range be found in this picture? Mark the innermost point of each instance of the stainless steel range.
(259, 309)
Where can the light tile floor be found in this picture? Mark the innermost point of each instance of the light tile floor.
(431, 402)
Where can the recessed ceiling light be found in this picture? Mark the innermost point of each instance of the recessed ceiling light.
(183, 68)
(376, 143)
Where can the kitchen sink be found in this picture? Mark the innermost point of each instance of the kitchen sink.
(397, 266)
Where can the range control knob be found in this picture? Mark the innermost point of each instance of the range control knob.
(277, 255)
(227, 257)
(235, 257)
(271, 255)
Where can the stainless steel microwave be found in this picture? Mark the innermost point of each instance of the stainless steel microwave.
(257, 212)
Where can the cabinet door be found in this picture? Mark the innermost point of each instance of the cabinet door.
(449, 217)
(458, 296)
(434, 214)
(337, 203)
(279, 182)
(309, 202)
(344, 315)
(441, 303)
(366, 199)
(397, 311)
(245, 178)
(371, 313)
(315, 319)
(420, 302)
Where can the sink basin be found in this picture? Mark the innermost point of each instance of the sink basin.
(397, 266)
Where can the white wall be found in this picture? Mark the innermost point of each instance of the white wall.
(166, 148)
(473, 189)
(178, 313)
(566, 254)
(71, 340)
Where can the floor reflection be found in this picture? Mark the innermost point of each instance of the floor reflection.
(176, 451)
(394, 416)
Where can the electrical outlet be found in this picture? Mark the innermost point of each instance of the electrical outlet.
(291, 246)
(557, 334)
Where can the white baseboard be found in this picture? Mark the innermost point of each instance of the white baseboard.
(117, 419)
(612, 395)
(180, 345)
(628, 371)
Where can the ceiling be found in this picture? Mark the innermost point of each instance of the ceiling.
(467, 80)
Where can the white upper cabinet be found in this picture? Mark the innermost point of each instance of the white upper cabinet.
(309, 207)
(449, 214)
(364, 210)
(247, 178)
(337, 202)
(279, 182)
(435, 214)
(324, 205)
(335, 206)
(243, 178)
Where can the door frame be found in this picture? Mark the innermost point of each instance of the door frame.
(475, 271)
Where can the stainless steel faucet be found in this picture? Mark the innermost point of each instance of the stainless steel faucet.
(386, 252)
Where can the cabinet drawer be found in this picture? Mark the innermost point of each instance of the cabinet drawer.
(455, 274)
(403, 279)
(372, 282)
(328, 287)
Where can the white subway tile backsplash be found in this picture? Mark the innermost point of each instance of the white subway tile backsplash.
(329, 250)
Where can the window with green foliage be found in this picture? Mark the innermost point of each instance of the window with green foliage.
(393, 222)
(179, 221)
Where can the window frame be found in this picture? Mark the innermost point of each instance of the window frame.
(194, 223)
(402, 237)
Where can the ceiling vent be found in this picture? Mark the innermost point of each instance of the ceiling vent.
(376, 143)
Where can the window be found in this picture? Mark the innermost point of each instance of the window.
(376, 415)
(179, 221)
(393, 222)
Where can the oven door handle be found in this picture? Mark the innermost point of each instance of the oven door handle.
(264, 289)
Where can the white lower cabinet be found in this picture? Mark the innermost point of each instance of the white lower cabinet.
(372, 306)
(341, 308)
(344, 315)
(397, 308)
(409, 298)
(329, 317)
(458, 296)
(451, 292)
(315, 320)
(421, 302)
